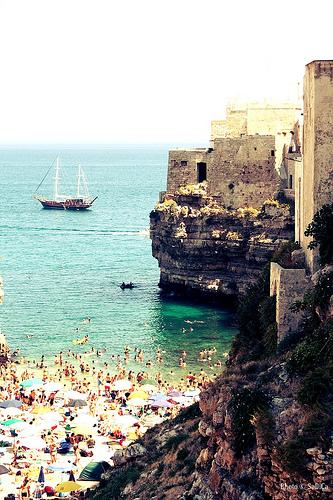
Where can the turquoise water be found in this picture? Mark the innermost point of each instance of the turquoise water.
(60, 266)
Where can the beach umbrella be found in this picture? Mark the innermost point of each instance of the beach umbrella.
(122, 385)
(151, 420)
(52, 416)
(84, 420)
(93, 471)
(52, 387)
(157, 396)
(139, 395)
(160, 403)
(11, 421)
(78, 403)
(150, 388)
(61, 467)
(3, 470)
(41, 477)
(192, 393)
(137, 402)
(123, 420)
(40, 410)
(67, 487)
(12, 403)
(85, 430)
(33, 443)
(12, 411)
(19, 426)
(75, 395)
(31, 382)
(175, 394)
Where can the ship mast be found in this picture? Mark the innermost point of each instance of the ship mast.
(78, 181)
(57, 178)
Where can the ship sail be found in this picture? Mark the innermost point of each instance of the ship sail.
(81, 201)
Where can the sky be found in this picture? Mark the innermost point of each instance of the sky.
(148, 71)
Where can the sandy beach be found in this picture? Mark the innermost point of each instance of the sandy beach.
(62, 416)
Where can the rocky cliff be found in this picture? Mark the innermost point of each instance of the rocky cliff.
(202, 247)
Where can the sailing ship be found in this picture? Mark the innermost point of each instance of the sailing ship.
(81, 201)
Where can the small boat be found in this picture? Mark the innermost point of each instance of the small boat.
(81, 201)
(124, 286)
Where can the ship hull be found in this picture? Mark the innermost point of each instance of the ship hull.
(65, 205)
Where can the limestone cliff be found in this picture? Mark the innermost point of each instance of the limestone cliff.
(202, 247)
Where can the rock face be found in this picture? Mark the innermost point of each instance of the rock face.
(259, 473)
(201, 247)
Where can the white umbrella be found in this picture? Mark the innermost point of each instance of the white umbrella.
(122, 385)
(33, 443)
(137, 402)
(192, 394)
(84, 420)
(12, 412)
(123, 420)
(52, 387)
(53, 416)
(149, 388)
(32, 430)
(19, 426)
(75, 395)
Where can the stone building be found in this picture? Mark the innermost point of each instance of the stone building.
(313, 189)
(315, 174)
(248, 160)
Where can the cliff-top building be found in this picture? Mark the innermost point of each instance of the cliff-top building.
(313, 189)
(249, 159)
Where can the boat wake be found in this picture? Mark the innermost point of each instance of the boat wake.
(134, 232)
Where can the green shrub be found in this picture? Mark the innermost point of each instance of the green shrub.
(174, 441)
(315, 351)
(282, 255)
(270, 340)
(117, 483)
(321, 229)
(182, 454)
(243, 406)
(316, 387)
(248, 310)
(190, 465)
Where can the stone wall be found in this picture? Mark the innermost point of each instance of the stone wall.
(317, 180)
(240, 171)
(256, 118)
(289, 286)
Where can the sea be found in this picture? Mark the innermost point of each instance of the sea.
(61, 267)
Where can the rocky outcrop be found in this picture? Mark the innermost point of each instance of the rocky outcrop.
(201, 247)
(260, 473)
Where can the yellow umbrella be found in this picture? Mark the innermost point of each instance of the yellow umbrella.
(138, 395)
(33, 471)
(67, 487)
(83, 429)
(40, 410)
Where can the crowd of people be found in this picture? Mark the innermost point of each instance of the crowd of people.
(63, 412)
